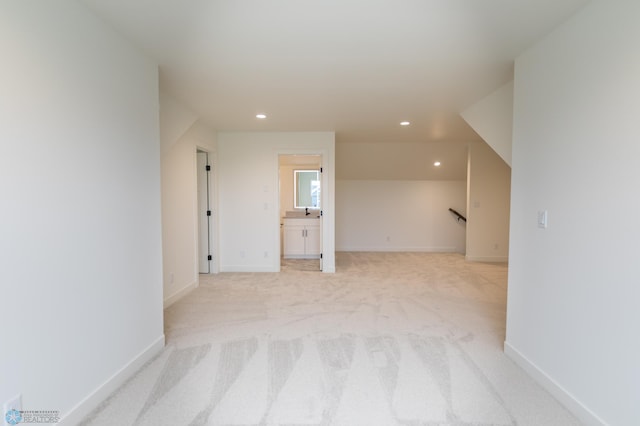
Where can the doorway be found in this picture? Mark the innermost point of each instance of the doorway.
(300, 211)
(205, 225)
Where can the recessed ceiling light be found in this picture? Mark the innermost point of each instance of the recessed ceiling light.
(404, 123)
(437, 164)
(261, 116)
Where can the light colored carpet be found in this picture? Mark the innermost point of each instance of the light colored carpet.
(390, 339)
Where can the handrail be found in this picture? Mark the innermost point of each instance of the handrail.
(459, 216)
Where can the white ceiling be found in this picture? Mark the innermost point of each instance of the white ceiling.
(356, 67)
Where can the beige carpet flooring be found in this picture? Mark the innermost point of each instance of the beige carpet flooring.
(389, 339)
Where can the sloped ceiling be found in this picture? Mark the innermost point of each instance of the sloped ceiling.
(356, 67)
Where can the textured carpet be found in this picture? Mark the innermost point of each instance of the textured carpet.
(390, 339)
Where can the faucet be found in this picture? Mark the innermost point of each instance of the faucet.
(306, 211)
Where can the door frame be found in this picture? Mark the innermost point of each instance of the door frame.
(323, 154)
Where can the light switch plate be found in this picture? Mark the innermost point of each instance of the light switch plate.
(542, 219)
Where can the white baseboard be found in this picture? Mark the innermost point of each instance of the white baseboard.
(179, 294)
(572, 404)
(399, 249)
(490, 259)
(84, 407)
(249, 268)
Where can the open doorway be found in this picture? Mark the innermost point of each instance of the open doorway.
(300, 184)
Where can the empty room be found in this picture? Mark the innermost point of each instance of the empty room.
(294, 212)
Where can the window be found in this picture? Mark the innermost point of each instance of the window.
(306, 189)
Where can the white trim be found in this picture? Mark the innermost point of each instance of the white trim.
(399, 249)
(179, 294)
(249, 268)
(492, 259)
(585, 415)
(95, 398)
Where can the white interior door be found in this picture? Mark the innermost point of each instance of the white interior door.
(320, 220)
(204, 214)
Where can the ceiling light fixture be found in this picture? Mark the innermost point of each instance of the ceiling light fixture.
(404, 123)
(437, 164)
(261, 116)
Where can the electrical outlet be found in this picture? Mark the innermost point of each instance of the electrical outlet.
(11, 411)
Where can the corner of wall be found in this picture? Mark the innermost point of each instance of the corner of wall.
(175, 120)
(179, 294)
(565, 397)
(102, 392)
(492, 119)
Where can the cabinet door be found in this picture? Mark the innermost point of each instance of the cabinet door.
(294, 240)
(313, 241)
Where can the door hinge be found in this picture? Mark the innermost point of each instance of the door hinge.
(209, 257)
(320, 169)
(321, 213)
(320, 255)
(208, 212)
(208, 168)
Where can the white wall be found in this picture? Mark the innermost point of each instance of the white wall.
(175, 120)
(249, 219)
(393, 190)
(573, 319)
(489, 185)
(180, 197)
(80, 248)
(401, 161)
(399, 215)
(492, 118)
